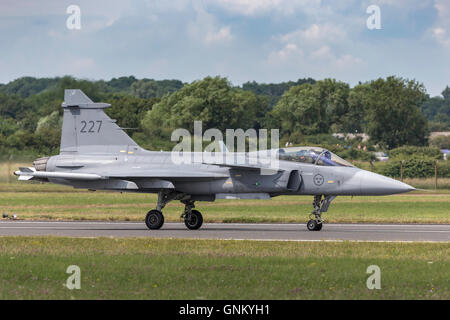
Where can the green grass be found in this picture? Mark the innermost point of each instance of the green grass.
(50, 202)
(34, 268)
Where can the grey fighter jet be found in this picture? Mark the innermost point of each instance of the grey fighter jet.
(97, 154)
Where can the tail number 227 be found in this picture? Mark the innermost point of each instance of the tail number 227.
(91, 126)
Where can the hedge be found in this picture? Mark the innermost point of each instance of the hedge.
(407, 152)
(413, 168)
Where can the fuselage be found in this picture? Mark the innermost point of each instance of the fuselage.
(198, 177)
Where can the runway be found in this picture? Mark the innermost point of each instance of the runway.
(232, 231)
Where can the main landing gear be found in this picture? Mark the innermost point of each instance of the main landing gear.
(154, 220)
(193, 219)
(320, 205)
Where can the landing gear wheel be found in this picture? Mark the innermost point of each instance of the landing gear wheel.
(154, 220)
(313, 225)
(195, 220)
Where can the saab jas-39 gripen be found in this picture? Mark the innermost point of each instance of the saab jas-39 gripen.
(97, 154)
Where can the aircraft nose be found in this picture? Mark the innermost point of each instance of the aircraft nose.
(376, 184)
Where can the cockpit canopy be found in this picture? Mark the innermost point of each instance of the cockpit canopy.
(312, 155)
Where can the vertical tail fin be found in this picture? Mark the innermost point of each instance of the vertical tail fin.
(87, 128)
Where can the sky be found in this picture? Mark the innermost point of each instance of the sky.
(244, 40)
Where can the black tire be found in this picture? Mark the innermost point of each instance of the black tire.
(195, 222)
(312, 225)
(319, 226)
(154, 220)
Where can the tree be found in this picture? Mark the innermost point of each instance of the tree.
(212, 100)
(149, 88)
(437, 110)
(446, 93)
(311, 108)
(121, 84)
(129, 110)
(20, 140)
(12, 106)
(273, 91)
(392, 114)
(333, 96)
(53, 120)
(47, 140)
(8, 126)
(28, 86)
(434, 108)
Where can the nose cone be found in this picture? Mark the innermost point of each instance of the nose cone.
(375, 184)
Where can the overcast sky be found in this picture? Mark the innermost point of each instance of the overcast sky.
(244, 40)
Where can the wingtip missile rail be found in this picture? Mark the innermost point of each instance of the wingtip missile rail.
(31, 173)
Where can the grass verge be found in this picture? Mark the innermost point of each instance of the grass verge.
(50, 202)
(34, 268)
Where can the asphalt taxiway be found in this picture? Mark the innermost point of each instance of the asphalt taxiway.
(231, 231)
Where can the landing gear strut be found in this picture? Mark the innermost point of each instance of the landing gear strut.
(192, 218)
(320, 205)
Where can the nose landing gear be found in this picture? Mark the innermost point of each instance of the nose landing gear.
(320, 205)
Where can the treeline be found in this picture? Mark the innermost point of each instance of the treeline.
(392, 111)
